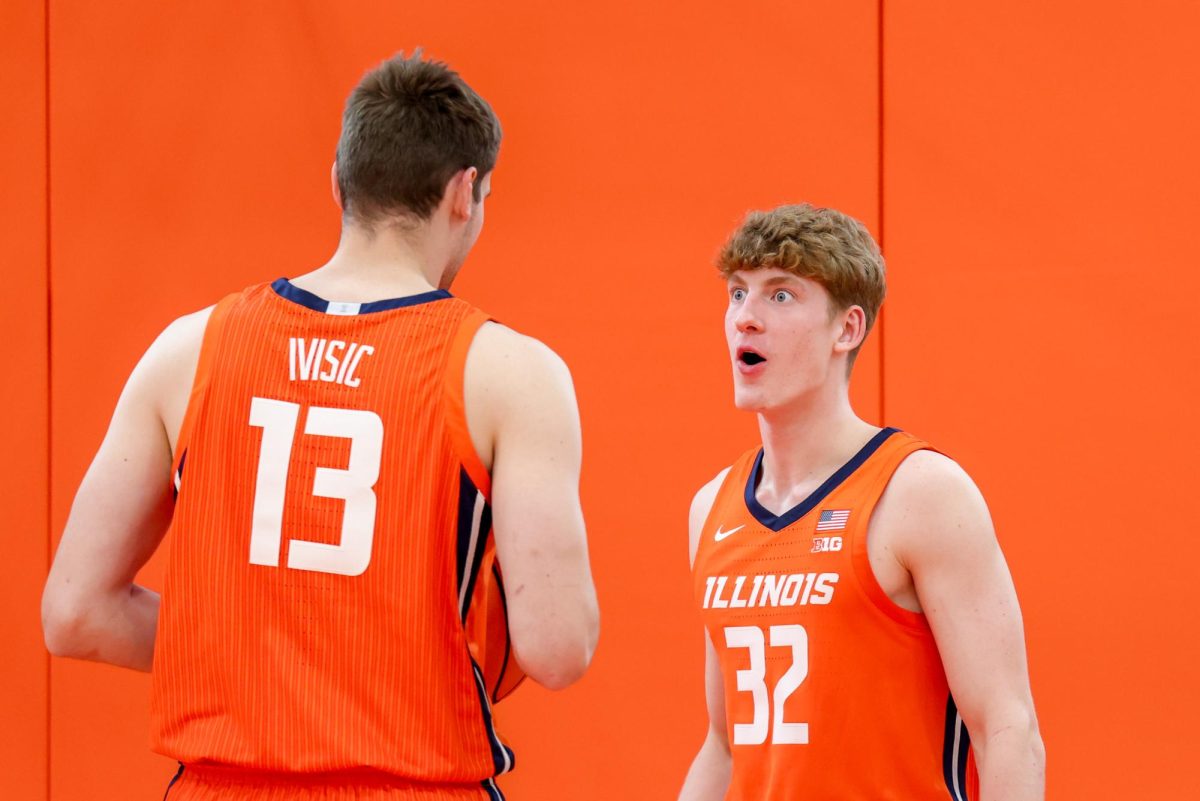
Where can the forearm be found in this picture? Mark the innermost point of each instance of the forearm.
(708, 777)
(1012, 765)
(554, 630)
(117, 628)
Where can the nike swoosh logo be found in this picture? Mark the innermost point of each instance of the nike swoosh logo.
(720, 535)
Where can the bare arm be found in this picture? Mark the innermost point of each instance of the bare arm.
(708, 777)
(524, 421)
(91, 609)
(945, 539)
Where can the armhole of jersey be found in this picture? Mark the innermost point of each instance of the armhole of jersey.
(736, 476)
(208, 347)
(455, 404)
(860, 557)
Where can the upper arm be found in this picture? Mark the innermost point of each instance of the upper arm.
(714, 686)
(945, 538)
(524, 421)
(702, 504)
(124, 503)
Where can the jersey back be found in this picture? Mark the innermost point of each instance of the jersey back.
(331, 602)
(832, 691)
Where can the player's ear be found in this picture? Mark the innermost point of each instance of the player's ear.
(853, 329)
(337, 190)
(461, 193)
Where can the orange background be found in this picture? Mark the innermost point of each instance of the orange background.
(1030, 168)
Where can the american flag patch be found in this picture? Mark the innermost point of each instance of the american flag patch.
(833, 519)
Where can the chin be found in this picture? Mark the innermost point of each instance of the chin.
(749, 400)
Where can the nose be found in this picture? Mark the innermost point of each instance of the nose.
(746, 319)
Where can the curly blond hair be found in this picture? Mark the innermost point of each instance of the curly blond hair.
(823, 245)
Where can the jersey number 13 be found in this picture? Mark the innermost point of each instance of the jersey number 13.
(355, 485)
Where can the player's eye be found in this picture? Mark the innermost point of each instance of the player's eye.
(781, 296)
(737, 295)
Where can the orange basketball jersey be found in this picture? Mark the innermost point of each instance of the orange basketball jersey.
(832, 691)
(332, 604)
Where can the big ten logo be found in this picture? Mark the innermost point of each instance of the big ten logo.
(824, 544)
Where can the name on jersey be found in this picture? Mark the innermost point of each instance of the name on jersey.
(330, 360)
(747, 592)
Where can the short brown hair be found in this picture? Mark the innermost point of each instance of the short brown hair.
(408, 127)
(824, 245)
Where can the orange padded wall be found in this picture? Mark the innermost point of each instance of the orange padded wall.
(1037, 189)
(1040, 200)
(191, 149)
(23, 393)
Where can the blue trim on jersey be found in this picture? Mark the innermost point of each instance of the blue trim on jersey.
(507, 638)
(174, 779)
(782, 521)
(503, 758)
(177, 484)
(954, 754)
(289, 291)
(493, 790)
(468, 495)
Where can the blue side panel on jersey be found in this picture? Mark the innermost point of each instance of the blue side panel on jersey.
(175, 485)
(493, 790)
(954, 762)
(782, 521)
(285, 289)
(503, 757)
(467, 495)
(507, 639)
(174, 779)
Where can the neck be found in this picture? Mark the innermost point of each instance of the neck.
(378, 263)
(806, 442)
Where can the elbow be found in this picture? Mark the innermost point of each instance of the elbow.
(559, 669)
(556, 662)
(65, 624)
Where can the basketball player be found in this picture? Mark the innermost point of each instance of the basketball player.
(863, 635)
(330, 455)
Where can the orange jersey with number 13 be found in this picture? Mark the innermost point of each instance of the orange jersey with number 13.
(331, 601)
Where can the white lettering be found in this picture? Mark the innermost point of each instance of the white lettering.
(737, 602)
(330, 373)
(718, 601)
(770, 590)
(332, 361)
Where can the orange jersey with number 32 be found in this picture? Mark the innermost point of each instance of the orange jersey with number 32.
(832, 691)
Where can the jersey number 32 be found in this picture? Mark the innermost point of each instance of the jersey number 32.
(752, 681)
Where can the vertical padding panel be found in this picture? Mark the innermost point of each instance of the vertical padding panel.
(23, 397)
(1040, 208)
(636, 137)
(190, 161)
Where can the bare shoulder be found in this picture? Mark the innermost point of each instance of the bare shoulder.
(163, 378)
(177, 349)
(506, 370)
(499, 349)
(932, 503)
(702, 504)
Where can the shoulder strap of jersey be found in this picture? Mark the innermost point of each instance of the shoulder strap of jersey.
(882, 467)
(456, 412)
(732, 487)
(212, 333)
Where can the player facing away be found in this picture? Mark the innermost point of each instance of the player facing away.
(863, 639)
(343, 461)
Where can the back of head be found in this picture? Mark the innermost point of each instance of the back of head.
(409, 126)
(820, 244)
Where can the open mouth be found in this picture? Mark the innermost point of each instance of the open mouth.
(751, 358)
